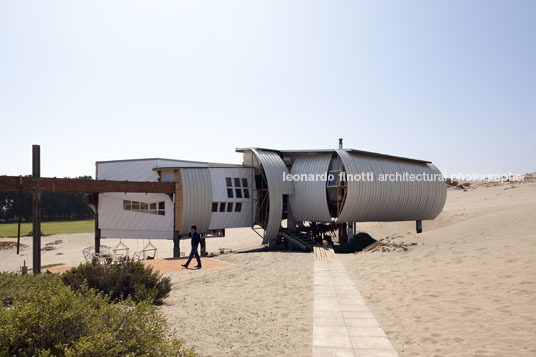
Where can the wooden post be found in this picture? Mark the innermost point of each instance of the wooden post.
(20, 210)
(177, 208)
(203, 245)
(176, 245)
(97, 229)
(36, 208)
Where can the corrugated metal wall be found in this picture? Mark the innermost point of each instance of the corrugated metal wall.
(390, 200)
(196, 199)
(116, 222)
(309, 201)
(274, 168)
(233, 219)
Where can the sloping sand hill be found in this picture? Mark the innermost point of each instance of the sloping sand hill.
(468, 287)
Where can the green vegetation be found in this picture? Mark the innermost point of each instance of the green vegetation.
(65, 227)
(40, 316)
(130, 279)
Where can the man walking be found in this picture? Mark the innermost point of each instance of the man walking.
(196, 239)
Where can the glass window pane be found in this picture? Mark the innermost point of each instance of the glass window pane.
(162, 205)
(333, 178)
(162, 213)
(238, 193)
(246, 193)
(214, 206)
(153, 211)
(135, 206)
(230, 207)
(144, 207)
(229, 182)
(238, 207)
(222, 206)
(237, 182)
(127, 205)
(152, 206)
(230, 193)
(244, 182)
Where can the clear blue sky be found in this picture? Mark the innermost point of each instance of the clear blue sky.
(449, 81)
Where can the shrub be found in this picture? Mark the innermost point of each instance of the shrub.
(451, 182)
(55, 320)
(16, 286)
(129, 279)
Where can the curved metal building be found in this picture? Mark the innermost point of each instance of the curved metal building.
(273, 169)
(322, 186)
(309, 201)
(196, 199)
(364, 187)
(390, 195)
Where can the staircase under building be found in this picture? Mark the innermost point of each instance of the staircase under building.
(297, 239)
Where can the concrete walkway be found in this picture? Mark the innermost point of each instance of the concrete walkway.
(343, 325)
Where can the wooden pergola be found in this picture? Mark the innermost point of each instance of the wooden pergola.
(37, 185)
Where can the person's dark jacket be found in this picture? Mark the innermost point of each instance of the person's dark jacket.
(196, 238)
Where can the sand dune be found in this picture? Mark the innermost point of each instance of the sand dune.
(468, 287)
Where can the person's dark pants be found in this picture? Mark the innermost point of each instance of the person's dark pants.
(192, 254)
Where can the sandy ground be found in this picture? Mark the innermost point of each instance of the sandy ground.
(260, 303)
(469, 287)
(69, 250)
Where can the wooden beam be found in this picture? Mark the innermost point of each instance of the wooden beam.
(11, 184)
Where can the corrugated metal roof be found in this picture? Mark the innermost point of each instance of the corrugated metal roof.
(149, 159)
(196, 199)
(314, 151)
(274, 168)
(309, 201)
(404, 200)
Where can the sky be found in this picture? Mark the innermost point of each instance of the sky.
(453, 82)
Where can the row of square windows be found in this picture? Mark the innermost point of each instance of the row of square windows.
(240, 187)
(226, 206)
(142, 207)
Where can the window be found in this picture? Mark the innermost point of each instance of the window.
(238, 193)
(237, 182)
(229, 182)
(167, 176)
(222, 206)
(229, 193)
(246, 193)
(334, 175)
(244, 182)
(214, 206)
(144, 207)
(230, 207)
(238, 207)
